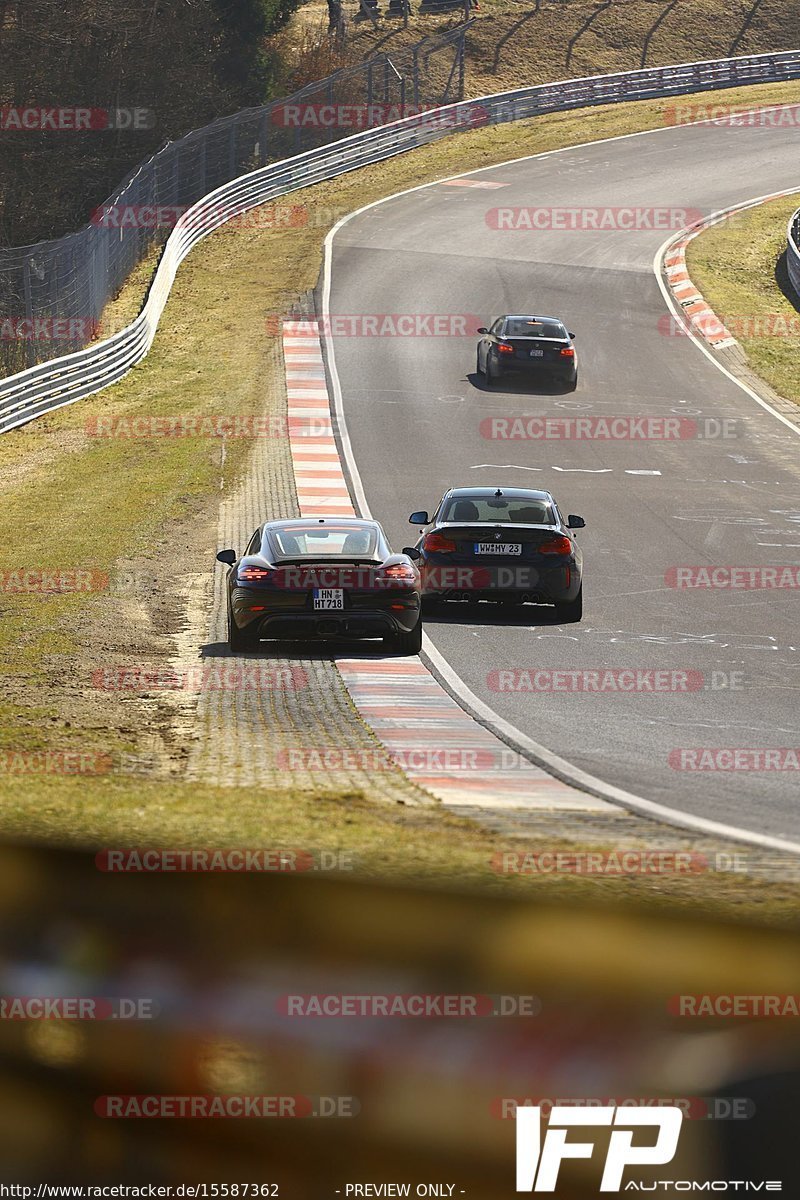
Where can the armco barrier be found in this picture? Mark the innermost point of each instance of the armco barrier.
(62, 381)
(793, 251)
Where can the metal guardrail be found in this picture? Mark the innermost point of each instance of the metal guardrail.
(51, 385)
(53, 293)
(793, 251)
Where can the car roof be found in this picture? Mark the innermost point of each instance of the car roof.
(510, 493)
(530, 317)
(305, 521)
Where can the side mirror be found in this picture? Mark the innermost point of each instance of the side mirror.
(227, 556)
(412, 552)
(571, 334)
(574, 522)
(482, 329)
(419, 518)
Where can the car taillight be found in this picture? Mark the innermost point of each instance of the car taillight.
(558, 545)
(437, 543)
(253, 575)
(502, 348)
(567, 352)
(400, 571)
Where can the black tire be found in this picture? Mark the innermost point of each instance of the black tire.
(488, 376)
(572, 384)
(405, 643)
(238, 640)
(570, 611)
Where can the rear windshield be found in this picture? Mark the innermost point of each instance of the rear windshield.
(528, 327)
(489, 508)
(323, 541)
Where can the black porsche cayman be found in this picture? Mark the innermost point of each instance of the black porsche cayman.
(322, 577)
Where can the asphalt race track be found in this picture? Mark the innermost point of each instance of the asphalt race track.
(414, 407)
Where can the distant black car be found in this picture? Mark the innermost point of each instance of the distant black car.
(322, 577)
(534, 345)
(507, 544)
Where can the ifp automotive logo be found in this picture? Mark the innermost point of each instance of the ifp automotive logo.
(538, 1161)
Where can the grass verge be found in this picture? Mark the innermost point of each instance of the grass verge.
(739, 266)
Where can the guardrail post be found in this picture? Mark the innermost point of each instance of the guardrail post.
(232, 162)
(203, 164)
(30, 345)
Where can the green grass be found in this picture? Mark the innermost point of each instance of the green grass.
(739, 267)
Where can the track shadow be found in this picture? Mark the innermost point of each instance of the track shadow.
(509, 35)
(653, 28)
(582, 30)
(518, 385)
(309, 651)
(748, 21)
(488, 613)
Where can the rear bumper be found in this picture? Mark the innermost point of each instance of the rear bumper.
(533, 366)
(539, 584)
(292, 619)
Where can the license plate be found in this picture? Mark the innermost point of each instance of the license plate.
(538, 353)
(498, 548)
(328, 598)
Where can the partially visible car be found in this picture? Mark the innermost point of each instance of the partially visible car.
(507, 544)
(322, 577)
(528, 344)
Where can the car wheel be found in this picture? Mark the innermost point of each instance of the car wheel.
(478, 370)
(405, 643)
(238, 640)
(489, 373)
(572, 384)
(571, 610)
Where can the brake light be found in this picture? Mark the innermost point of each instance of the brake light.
(437, 543)
(401, 571)
(253, 575)
(567, 352)
(558, 545)
(502, 348)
